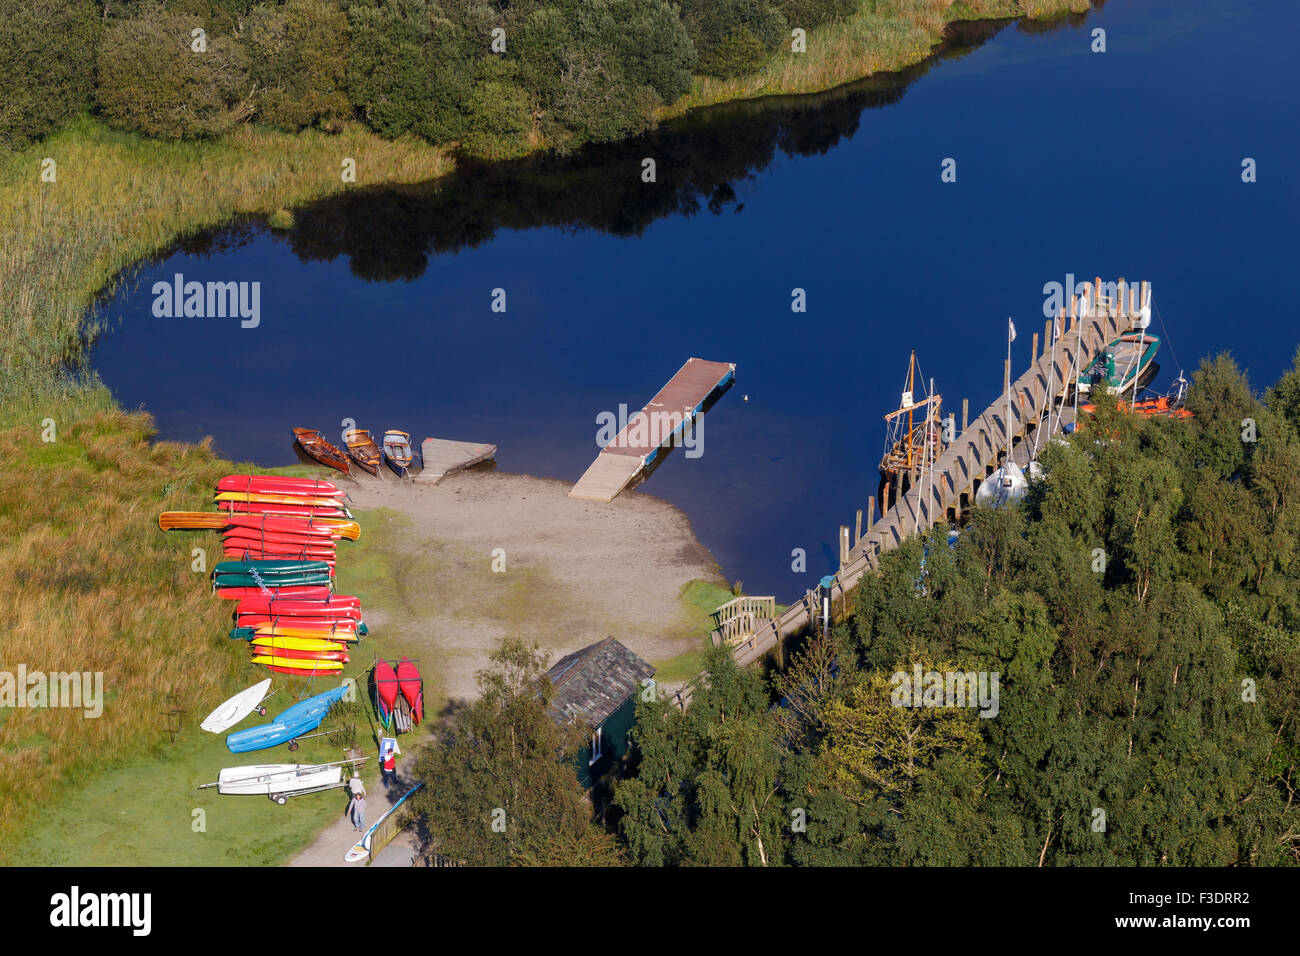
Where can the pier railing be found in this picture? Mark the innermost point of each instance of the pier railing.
(1093, 320)
(740, 618)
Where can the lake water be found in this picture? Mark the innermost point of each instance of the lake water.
(1123, 163)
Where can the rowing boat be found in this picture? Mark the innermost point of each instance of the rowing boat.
(1122, 365)
(363, 449)
(317, 447)
(397, 452)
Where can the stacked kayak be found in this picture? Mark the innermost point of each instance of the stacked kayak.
(398, 693)
(237, 579)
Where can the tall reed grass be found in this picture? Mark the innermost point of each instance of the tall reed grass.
(118, 198)
(883, 36)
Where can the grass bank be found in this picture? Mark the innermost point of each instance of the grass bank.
(883, 36)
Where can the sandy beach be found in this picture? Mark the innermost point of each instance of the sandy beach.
(574, 571)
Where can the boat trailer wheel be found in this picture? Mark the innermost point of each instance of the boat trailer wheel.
(261, 711)
(279, 798)
(293, 745)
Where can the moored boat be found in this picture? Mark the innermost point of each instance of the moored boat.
(315, 445)
(1123, 364)
(363, 449)
(397, 452)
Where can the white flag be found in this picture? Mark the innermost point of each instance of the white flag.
(1011, 330)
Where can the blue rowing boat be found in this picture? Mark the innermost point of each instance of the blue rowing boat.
(302, 717)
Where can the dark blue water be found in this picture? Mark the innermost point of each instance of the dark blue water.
(1126, 163)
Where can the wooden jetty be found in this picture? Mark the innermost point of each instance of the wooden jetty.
(653, 429)
(441, 457)
(948, 489)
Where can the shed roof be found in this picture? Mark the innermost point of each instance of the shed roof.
(592, 683)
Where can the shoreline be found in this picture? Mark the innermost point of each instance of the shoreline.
(490, 554)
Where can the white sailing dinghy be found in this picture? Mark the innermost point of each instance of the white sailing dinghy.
(236, 709)
(279, 781)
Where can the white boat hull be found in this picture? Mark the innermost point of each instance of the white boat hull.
(236, 709)
(277, 778)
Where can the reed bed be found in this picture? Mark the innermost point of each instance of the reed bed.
(91, 585)
(883, 36)
(118, 198)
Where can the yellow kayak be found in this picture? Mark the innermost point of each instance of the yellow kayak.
(306, 500)
(298, 665)
(267, 643)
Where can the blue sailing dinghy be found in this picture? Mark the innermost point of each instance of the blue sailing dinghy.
(302, 717)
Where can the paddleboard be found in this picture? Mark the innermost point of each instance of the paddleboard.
(236, 709)
(361, 849)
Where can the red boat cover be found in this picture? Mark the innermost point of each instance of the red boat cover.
(408, 679)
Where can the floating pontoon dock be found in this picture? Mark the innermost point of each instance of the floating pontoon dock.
(652, 429)
(442, 457)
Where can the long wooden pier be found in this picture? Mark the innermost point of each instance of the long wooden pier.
(653, 429)
(1092, 321)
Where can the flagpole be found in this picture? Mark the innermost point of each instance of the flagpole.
(1011, 335)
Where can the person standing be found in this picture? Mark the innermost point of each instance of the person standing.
(359, 811)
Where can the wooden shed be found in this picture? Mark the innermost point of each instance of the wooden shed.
(597, 686)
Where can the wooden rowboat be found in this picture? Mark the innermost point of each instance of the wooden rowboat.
(315, 445)
(363, 449)
(397, 452)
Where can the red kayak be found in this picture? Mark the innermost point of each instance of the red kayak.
(291, 552)
(412, 687)
(279, 510)
(307, 670)
(316, 623)
(257, 554)
(271, 537)
(386, 688)
(290, 653)
(269, 604)
(300, 592)
(279, 485)
(281, 525)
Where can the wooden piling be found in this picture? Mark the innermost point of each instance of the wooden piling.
(965, 413)
(857, 529)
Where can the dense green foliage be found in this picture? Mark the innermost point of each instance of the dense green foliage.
(46, 64)
(1141, 610)
(298, 55)
(150, 79)
(499, 779)
(494, 79)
